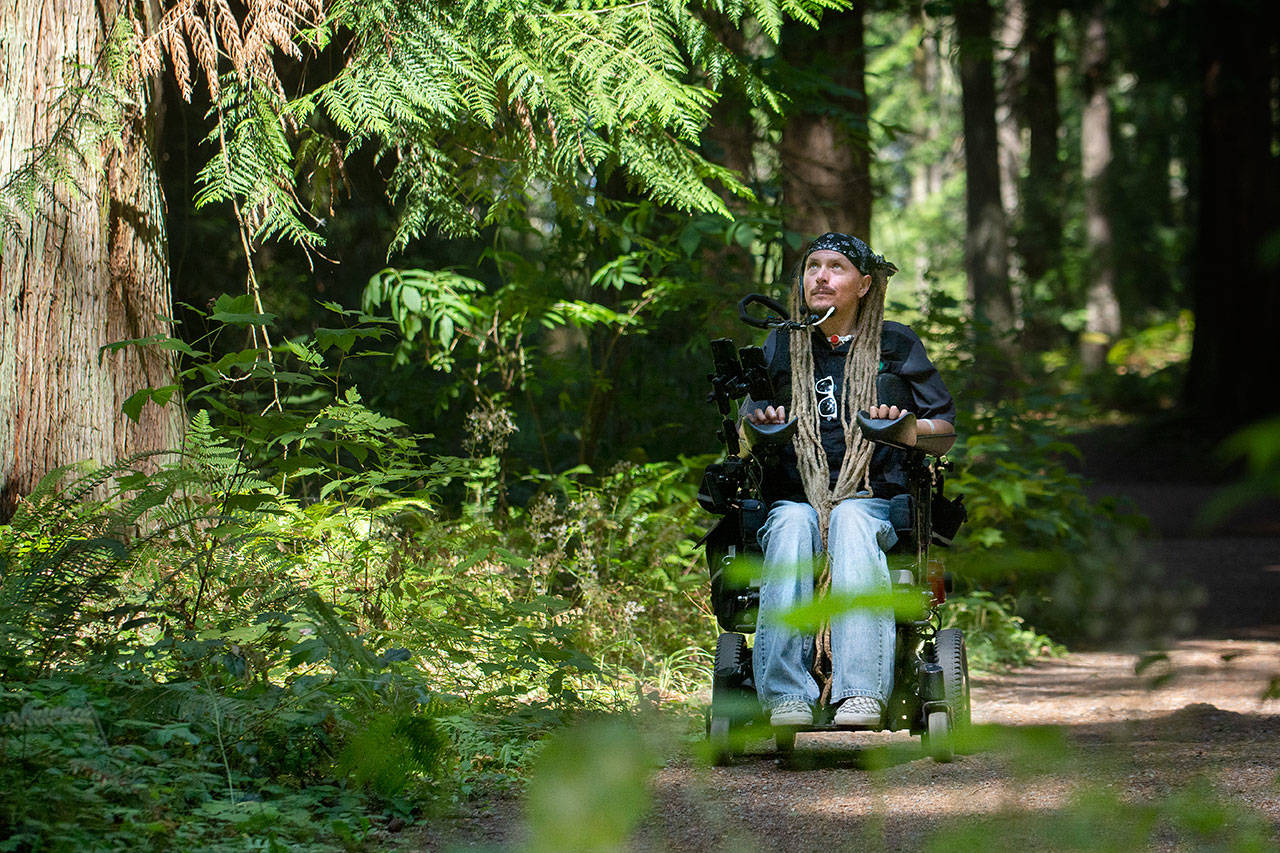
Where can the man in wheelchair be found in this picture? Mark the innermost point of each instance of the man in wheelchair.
(828, 493)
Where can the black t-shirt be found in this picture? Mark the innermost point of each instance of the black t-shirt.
(901, 354)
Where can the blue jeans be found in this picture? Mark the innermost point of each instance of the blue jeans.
(862, 639)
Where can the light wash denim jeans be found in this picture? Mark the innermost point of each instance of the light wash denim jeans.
(862, 640)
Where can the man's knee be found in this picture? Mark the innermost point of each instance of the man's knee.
(858, 522)
(854, 517)
(791, 541)
(794, 512)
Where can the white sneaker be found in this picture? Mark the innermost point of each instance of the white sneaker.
(862, 711)
(792, 713)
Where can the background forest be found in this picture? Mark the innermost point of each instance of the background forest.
(354, 355)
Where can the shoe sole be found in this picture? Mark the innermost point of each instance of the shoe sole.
(863, 722)
(794, 718)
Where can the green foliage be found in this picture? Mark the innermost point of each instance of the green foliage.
(437, 304)
(589, 788)
(275, 631)
(1073, 565)
(1258, 447)
(618, 548)
(202, 701)
(995, 637)
(475, 106)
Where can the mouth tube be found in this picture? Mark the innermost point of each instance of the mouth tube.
(831, 309)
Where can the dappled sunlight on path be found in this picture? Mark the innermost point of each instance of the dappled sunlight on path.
(1047, 735)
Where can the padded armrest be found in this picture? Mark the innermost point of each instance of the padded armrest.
(896, 432)
(936, 445)
(768, 435)
(901, 432)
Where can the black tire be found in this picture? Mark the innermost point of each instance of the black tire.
(720, 740)
(726, 690)
(785, 739)
(938, 737)
(730, 650)
(951, 656)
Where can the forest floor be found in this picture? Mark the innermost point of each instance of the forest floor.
(1132, 740)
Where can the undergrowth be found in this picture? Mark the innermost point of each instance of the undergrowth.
(293, 631)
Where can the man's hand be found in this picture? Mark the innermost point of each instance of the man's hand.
(936, 426)
(768, 415)
(887, 413)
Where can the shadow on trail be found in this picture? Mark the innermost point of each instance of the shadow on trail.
(1197, 775)
(808, 756)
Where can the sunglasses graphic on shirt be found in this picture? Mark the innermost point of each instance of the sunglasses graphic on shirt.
(826, 388)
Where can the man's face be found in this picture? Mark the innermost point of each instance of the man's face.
(831, 279)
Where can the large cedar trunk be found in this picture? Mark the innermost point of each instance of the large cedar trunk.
(88, 268)
(1235, 358)
(826, 165)
(986, 230)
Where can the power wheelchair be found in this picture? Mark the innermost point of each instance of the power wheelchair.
(930, 696)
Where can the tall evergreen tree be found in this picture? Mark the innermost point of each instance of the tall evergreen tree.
(824, 153)
(1102, 308)
(1040, 236)
(1236, 280)
(986, 235)
(83, 258)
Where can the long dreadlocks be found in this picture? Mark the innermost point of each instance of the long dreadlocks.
(858, 392)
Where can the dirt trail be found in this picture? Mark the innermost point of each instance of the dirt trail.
(860, 791)
(1138, 738)
(1134, 738)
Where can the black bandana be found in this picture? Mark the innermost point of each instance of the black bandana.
(854, 249)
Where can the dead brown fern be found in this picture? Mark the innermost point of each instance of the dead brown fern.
(209, 32)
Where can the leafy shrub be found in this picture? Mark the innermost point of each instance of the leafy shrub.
(995, 638)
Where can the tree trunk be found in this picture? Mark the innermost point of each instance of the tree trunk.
(1040, 242)
(986, 232)
(1009, 112)
(826, 164)
(928, 68)
(1234, 358)
(1102, 309)
(729, 140)
(87, 269)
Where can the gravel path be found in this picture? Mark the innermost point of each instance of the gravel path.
(1121, 734)
(1077, 753)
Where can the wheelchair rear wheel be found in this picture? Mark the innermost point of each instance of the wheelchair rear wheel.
(944, 728)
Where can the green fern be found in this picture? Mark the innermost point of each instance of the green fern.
(476, 105)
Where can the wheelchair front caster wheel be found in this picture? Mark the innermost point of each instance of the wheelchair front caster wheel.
(785, 738)
(718, 738)
(938, 737)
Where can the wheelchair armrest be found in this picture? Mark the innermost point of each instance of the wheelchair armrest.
(897, 432)
(901, 432)
(936, 445)
(760, 436)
